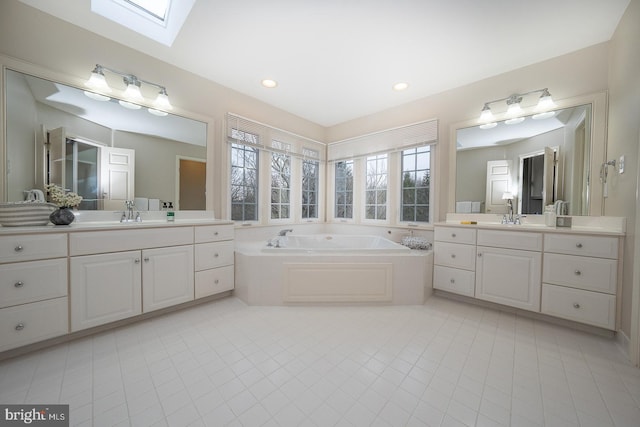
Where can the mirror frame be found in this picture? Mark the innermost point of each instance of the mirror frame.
(598, 102)
(17, 65)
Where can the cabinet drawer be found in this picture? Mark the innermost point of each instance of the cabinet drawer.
(596, 246)
(454, 280)
(213, 281)
(510, 239)
(95, 242)
(32, 281)
(454, 255)
(593, 308)
(213, 233)
(31, 247)
(455, 235)
(29, 323)
(212, 255)
(595, 274)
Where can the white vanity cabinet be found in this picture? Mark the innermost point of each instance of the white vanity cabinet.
(214, 259)
(580, 278)
(454, 260)
(33, 288)
(509, 267)
(122, 273)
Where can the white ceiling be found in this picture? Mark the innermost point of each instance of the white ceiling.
(336, 60)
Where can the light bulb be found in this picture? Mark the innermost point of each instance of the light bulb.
(486, 115)
(545, 102)
(162, 101)
(97, 81)
(133, 93)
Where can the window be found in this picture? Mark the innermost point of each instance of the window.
(376, 187)
(416, 177)
(244, 182)
(310, 184)
(156, 8)
(280, 182)
(344, 189)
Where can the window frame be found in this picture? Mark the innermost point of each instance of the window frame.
(245, 148)
(431, 187)
(336, 192)
(389, 161)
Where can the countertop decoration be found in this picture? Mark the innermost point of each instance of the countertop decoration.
(65, 201)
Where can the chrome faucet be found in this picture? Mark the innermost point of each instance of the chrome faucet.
(284, 232)
(128, 216)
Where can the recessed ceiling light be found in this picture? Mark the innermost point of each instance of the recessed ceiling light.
(269, 83)
(398, 87)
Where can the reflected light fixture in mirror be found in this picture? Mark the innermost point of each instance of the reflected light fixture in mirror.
(132, 93)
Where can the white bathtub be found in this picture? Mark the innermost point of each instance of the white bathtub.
(333, 243)
(332, 269)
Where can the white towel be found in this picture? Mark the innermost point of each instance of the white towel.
(476, 207)
(142, 203)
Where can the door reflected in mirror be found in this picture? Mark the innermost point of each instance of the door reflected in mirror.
(55, 133)
(541, 161)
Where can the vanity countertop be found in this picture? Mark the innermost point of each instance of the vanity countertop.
(613, 226)
(111, 225)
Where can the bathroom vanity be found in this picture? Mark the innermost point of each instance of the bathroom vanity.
(569, 273)
(60, 280)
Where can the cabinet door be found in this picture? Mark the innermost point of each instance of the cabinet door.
(104, 288)
(510, 277)
(168, 277)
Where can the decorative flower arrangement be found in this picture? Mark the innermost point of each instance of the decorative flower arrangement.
(62, 198)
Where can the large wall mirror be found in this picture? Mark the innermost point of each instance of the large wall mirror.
(55, 133)
(549, 159)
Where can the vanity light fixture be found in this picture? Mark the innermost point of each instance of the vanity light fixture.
(514, 108)
(132, 93)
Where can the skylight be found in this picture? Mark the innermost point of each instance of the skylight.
(160, 20)
(156, 8)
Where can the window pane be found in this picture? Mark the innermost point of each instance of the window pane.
(244, 183)
(416, 184)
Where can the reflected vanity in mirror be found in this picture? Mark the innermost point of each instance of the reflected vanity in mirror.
(549, 159)
(55, 133)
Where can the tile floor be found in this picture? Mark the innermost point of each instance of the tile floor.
(442, 364)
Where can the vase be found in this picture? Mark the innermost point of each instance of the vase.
(62, 216)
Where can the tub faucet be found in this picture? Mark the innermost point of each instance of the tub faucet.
(284, 232)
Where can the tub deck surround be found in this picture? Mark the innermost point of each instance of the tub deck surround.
(61, 280)
(331, 269)
(569, 273)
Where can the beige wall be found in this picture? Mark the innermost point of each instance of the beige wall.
(30, 35)
(624, 128)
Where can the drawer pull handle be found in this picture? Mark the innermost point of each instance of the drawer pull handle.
(578, 245)
(215, 234)
(216, 255)
(453, 255)
(19, 284)
(146, 259)
(19, 327)
(577, 272)
(18, 248)
(576, 305)
(452, 281)
(479, 255)
(137, 260)
(216, 281)
(453, 235)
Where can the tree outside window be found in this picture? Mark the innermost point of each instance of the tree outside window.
(416, 183)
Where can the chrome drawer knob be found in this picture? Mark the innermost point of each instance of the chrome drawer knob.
(19, 284)
(137, 260)
(479, 255)
(216, 255)
(146, 259)
(576, 305)
(452, 281)
(215, 234)
(19, 327)
(578, 245)
(453, 234)
(18, 248)
(453, 255)
(577, 272)
(216, 281)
